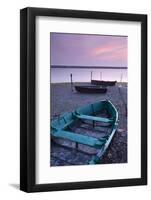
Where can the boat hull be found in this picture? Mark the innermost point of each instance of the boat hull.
(90, 89)
(103, 83)
(61, 127)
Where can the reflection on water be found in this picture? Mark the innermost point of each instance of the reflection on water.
(59, 75)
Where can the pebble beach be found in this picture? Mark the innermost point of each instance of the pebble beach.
(64, 98)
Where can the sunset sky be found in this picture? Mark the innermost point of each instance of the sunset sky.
(88, 50)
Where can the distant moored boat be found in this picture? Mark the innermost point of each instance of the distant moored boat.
(90, 89)
(103, 83)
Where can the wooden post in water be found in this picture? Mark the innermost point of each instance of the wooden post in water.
(71, 82)
(121, 78)
(91, 75)
(101, 76)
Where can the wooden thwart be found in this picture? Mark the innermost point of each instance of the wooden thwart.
(93, 118)
(82, 139)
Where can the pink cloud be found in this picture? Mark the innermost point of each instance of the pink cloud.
(115, 50)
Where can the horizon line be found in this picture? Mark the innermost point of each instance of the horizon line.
(87, 67)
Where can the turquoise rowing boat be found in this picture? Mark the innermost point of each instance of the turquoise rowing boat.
(62, 126)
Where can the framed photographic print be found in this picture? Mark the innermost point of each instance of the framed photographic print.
(83, 99)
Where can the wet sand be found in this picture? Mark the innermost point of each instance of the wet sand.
(66, 99)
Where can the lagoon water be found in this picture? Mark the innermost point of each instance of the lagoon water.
(61, 75)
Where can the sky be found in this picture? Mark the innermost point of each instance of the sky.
(88, 50)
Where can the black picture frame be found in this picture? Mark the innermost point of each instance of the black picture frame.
(28, 99)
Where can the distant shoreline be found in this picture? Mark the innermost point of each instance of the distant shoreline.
(87, 67)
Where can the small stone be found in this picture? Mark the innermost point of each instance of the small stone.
(109, 155)
(120, 130)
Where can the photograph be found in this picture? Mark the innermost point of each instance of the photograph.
(88, 99)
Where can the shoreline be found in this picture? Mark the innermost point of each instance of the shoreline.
(85, 82)
(63, 99)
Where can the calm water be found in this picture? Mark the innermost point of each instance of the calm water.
(60, 75)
